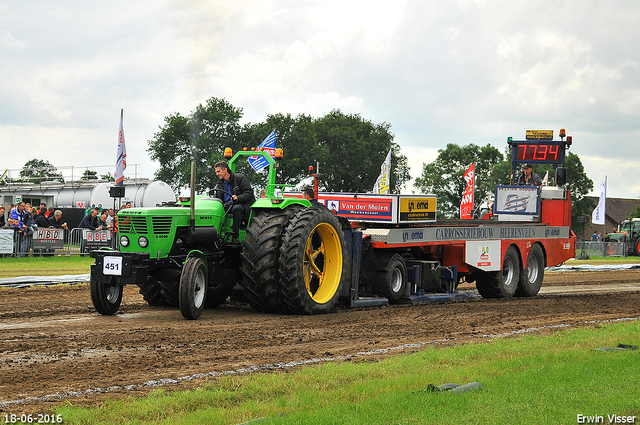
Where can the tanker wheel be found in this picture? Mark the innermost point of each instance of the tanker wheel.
(392, 282)
(531, 277)
(312, 261)
(193, 288)
(503, 283)
(260, 254)
(106, 298)
(151, 291)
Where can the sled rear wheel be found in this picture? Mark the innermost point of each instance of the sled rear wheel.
(531, 277)
(503, 283)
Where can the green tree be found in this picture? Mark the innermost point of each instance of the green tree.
(580, 185)
(89, 175)
(295, 136)
(202, 136)
(38, 171)
(352, 149)
(108, 177)
(443, 177)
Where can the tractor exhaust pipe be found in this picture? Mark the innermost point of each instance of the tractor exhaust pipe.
(192, 220)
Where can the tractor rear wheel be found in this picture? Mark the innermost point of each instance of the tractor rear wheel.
(193, 288)
(312, 261)
(503, 283)
(106, 298)
(260, 254)
(151, 291)
(171, 291)
(392, 282)
(636, 246)
(531, 277)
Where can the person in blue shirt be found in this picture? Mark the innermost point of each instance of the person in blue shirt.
(236, 193)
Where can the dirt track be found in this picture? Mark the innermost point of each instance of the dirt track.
(52, 341)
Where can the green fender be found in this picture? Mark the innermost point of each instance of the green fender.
(198, 254)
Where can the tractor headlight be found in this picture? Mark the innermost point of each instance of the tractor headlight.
(143, 242)
(124, 241)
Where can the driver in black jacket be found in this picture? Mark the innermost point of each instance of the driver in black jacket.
(234, 189)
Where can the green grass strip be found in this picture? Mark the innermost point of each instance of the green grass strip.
(44, 266)
(595, 260)
(527, 380)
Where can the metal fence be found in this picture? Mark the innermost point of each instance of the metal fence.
(588, 249)
(47, 242)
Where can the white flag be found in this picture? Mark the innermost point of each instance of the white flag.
(597, 217)
(383, 183)
(121, 157)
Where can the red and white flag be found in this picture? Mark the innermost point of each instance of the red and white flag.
(121, 161)
(466, 206)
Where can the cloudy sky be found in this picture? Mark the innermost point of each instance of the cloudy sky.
(439, 71)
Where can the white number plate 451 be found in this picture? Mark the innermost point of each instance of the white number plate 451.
(112, 266)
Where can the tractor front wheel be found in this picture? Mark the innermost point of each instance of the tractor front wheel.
(106, 298)
(312, 261)
(193, 288)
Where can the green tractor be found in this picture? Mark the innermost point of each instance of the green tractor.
(292, 257)
(631, 228)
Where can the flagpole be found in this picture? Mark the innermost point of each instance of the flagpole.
(473, 194)
(604, 226)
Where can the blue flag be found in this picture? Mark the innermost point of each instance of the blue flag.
(269, 145)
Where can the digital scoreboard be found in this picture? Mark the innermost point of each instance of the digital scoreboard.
(539, 147)
(537, 151)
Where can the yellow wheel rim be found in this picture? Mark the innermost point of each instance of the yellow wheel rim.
(322, 263)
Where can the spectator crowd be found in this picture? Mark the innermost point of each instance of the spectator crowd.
(24, 219)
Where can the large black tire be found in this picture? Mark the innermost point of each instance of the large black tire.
(151, 291)
(170, 291)
(193, 288)
(531, 277)
(503, 283)
(392, 282)
(312, 261)
(636, 246)
(261, 251)
(106, 298)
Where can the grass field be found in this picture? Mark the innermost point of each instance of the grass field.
(527, 380)
(44, 266)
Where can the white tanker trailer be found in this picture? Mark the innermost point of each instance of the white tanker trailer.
(84, 194)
